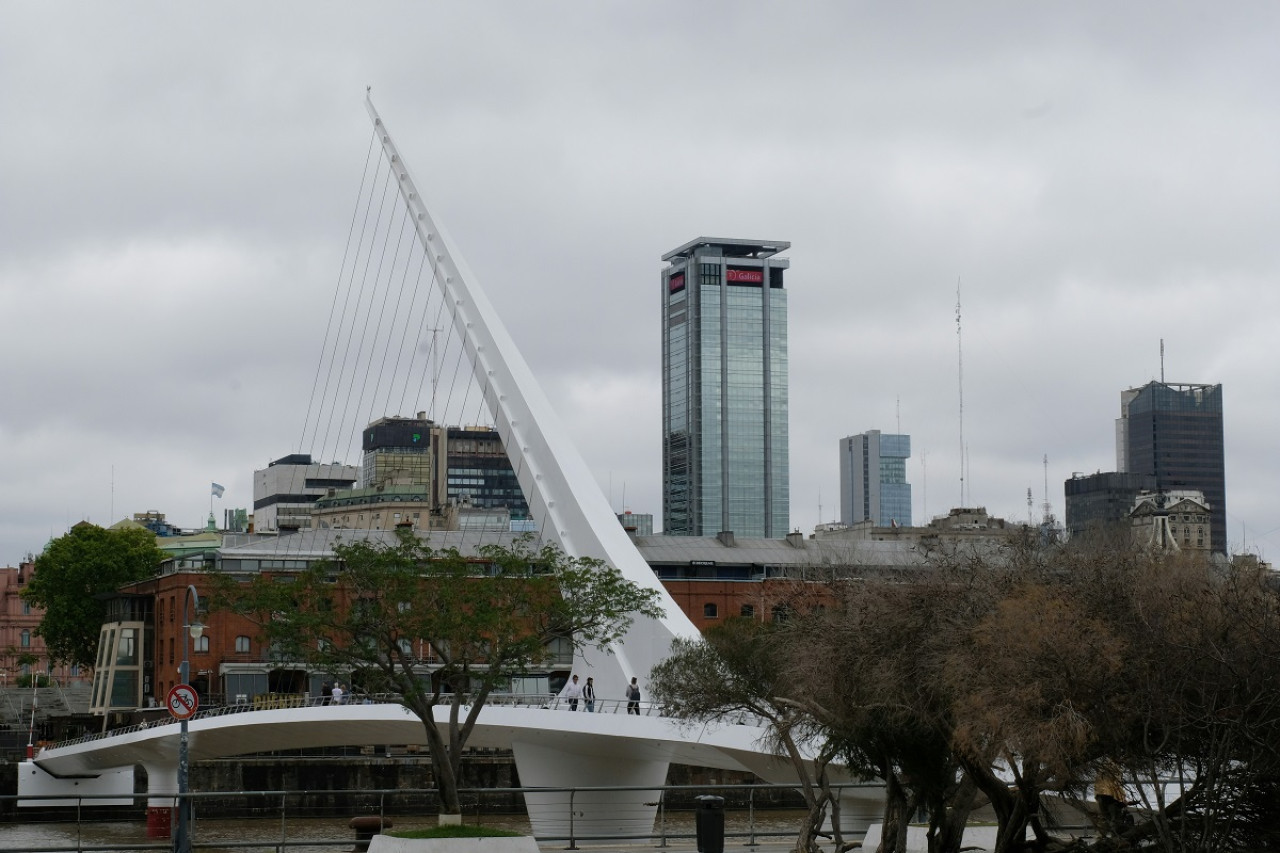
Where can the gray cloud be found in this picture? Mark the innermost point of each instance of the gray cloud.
(178, 184)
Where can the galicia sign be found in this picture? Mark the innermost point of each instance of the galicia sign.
(183, 701)
(744, 276)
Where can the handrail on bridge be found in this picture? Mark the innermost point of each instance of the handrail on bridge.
(269, 702)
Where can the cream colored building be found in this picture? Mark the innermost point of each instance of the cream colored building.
(1171, 521)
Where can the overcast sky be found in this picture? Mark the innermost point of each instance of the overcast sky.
(177, 183)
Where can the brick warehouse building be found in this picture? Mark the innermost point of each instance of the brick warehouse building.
(710, 578)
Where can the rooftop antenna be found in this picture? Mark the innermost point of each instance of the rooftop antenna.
(819, 504)
(898, 411)
(968, 483)
(1047, 508)
(1030, 518)
(960, 366)
(1162, 361)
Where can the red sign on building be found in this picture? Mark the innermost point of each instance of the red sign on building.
(676, 282)
(744, 276)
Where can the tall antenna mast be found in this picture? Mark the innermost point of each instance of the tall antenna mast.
(1047, 508)
(924, 475)
(1162, 361)
(435, 369)
(960, 366)
(1030, 518)
(898, 411)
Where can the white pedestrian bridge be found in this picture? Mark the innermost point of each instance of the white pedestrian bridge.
(554, 748)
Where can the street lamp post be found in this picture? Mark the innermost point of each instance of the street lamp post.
(191, 630)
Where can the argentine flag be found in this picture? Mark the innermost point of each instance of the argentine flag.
(217, 490)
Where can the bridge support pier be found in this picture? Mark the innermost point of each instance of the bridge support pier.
(162, 799)
(589, 813)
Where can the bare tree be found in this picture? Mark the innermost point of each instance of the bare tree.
(739, 667)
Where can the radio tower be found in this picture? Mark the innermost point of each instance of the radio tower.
(960, 369)
(1048, 510)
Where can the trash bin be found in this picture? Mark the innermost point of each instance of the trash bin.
(709, 824)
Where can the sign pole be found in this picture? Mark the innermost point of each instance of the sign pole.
(183, 701)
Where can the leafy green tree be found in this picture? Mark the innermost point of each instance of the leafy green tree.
(484, 621)
(72, 574)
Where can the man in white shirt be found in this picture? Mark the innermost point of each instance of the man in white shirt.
(572, 692)
(337, 693)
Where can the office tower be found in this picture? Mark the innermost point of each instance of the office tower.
(1096, 502)
(399, 450)
(637, 523)
(465, 467)
(724, 389)
(1173, 432)
(479, 473)
(285, 492)
(873, 479)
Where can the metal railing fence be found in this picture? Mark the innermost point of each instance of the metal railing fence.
(276, 701)
(295, 817)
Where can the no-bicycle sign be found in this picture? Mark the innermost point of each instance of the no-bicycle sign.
(183, 701)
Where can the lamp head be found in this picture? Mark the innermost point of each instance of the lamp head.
(196, 629)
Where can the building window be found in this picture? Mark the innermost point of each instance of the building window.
(202, 644)
(171, 645)
(26, 639)
(242, 644)
(710, 611)
(26, 608)
(747, 610)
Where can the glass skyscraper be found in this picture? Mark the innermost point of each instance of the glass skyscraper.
(1174, 434)
(873, 479)
(724, 389)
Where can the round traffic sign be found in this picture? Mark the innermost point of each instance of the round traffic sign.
(183, 701)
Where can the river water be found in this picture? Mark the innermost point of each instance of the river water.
(314, 835)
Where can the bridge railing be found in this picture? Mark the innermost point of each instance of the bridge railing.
(270, 702)
(288, 819)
